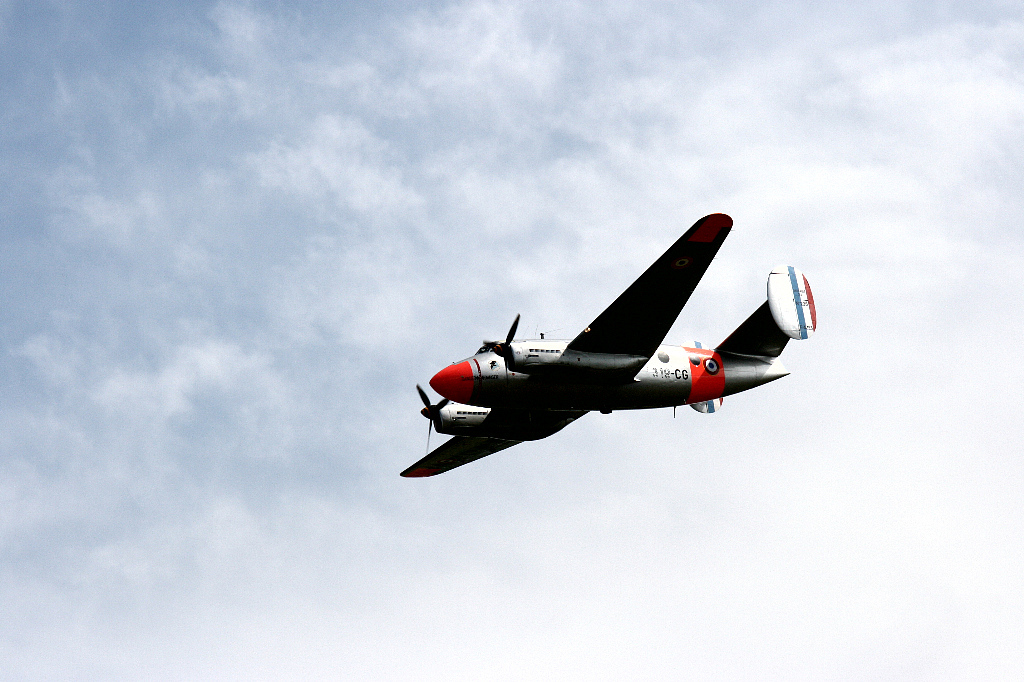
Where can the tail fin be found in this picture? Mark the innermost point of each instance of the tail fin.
(792, 303)
(788, 313)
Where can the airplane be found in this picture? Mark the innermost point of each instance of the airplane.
(513, 391)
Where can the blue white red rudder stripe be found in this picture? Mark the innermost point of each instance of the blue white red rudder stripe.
(791, 302)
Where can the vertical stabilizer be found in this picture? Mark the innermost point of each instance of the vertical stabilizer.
(791, 302)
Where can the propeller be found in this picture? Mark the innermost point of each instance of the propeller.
(505, 349)
(431, 412)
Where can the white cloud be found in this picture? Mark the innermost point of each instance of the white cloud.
(251, 243)
(213, 365)
(339, 163)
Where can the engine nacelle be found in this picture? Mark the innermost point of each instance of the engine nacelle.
(456, 418)
(538, 353)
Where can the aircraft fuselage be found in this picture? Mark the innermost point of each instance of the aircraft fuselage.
(674, 375)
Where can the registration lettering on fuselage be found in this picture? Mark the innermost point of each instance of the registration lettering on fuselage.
(667, 373)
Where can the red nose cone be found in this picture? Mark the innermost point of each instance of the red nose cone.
(454, 382)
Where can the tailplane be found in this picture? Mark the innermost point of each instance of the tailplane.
(788, 313)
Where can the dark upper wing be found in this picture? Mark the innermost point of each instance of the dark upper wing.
(456, 452)
(638, 320)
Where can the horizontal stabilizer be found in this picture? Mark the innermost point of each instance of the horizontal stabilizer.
(758, 335)
(708, 406)
(787, 314)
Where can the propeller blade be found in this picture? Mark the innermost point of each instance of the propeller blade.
(431, 412)
(423, 396)
(512, 331)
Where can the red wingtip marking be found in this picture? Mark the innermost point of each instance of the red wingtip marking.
(710, 228)
(454, 382)
(421, 472)
(810, 304)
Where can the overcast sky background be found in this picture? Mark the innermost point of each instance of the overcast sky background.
(235, 235)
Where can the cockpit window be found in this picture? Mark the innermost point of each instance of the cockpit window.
(483, 349)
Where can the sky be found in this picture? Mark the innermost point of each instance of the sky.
(236, 235)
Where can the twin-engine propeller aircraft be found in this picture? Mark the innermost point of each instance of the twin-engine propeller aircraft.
(511, 391)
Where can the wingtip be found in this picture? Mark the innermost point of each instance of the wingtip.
(707, 229)
(420, 472)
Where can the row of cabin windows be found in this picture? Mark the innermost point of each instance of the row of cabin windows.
(544, 350)
(461, 412)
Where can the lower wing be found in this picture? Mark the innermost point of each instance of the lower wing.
(456, 452)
